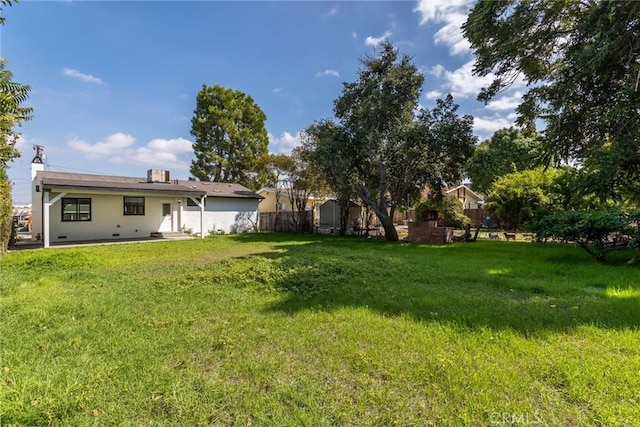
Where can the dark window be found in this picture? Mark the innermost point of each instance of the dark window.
(166, 209)
(192, 203)
(133, 205)
(76, 209)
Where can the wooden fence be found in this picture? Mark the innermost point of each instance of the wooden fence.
(402, 217)
(287, 221)
(477, 216)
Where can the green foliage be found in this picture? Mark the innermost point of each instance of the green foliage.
(449, 209)
(230, 137)
(509, 150)
(386, 154)
(12, 114)
(515, 199)
(304, 179)
(580, 62)
(277, 167)
(325, 145)
(6, 209)
(374, 111)
(5, 3)
(295, 177)
(596, 231)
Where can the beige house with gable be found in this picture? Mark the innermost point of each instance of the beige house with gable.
(469, 198)
(268, 203)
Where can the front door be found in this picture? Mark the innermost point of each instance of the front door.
(167, 218)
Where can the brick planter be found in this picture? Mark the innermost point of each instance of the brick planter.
(429, 232)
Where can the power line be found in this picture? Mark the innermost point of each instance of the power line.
(75, 169)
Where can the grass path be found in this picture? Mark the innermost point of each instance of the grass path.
(290, 330)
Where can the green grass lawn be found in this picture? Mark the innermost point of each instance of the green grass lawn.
(287, 330)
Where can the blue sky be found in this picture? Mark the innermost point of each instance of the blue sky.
(114, 83)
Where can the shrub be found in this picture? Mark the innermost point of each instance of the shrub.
(596, 231)
(449, 210)
(517, 198)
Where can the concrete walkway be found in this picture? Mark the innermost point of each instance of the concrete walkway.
(23, 243)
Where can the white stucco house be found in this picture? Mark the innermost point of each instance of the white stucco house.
(68, 207)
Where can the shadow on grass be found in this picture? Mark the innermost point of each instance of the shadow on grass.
(532, 289)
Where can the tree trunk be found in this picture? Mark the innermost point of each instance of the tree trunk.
(344, 216)
(390, 232)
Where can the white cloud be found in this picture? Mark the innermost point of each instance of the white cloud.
(375, 41)
(328, 72)
(433, 94)
(437, 11)
(354, 35)
(119, 148)
(451, 35)
(451, 13)
(22, 143)
(277, 90)
(87, 78)
(284, 143)
(332, 12)
(486, 126)
(462, 83)
(174, 146)
(436, 70)
(507, 102)
(162, 153)
(113, 145)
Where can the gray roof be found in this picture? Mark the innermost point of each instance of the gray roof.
(87, 183)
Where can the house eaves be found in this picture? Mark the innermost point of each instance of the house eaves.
(92, 183)
(141, 187)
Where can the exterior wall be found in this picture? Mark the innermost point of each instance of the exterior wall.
(36, 202)
(329, 214)
(429, 232)
(471, 203)
(109, 222)
(228, 215)
(107, 218)
(468, 199)
(269, 202)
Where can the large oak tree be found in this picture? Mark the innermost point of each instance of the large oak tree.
(389, 151)
(581, 60)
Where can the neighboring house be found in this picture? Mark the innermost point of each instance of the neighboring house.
(269, 202)
(469, 198)
(21, 216)
(69, 207)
